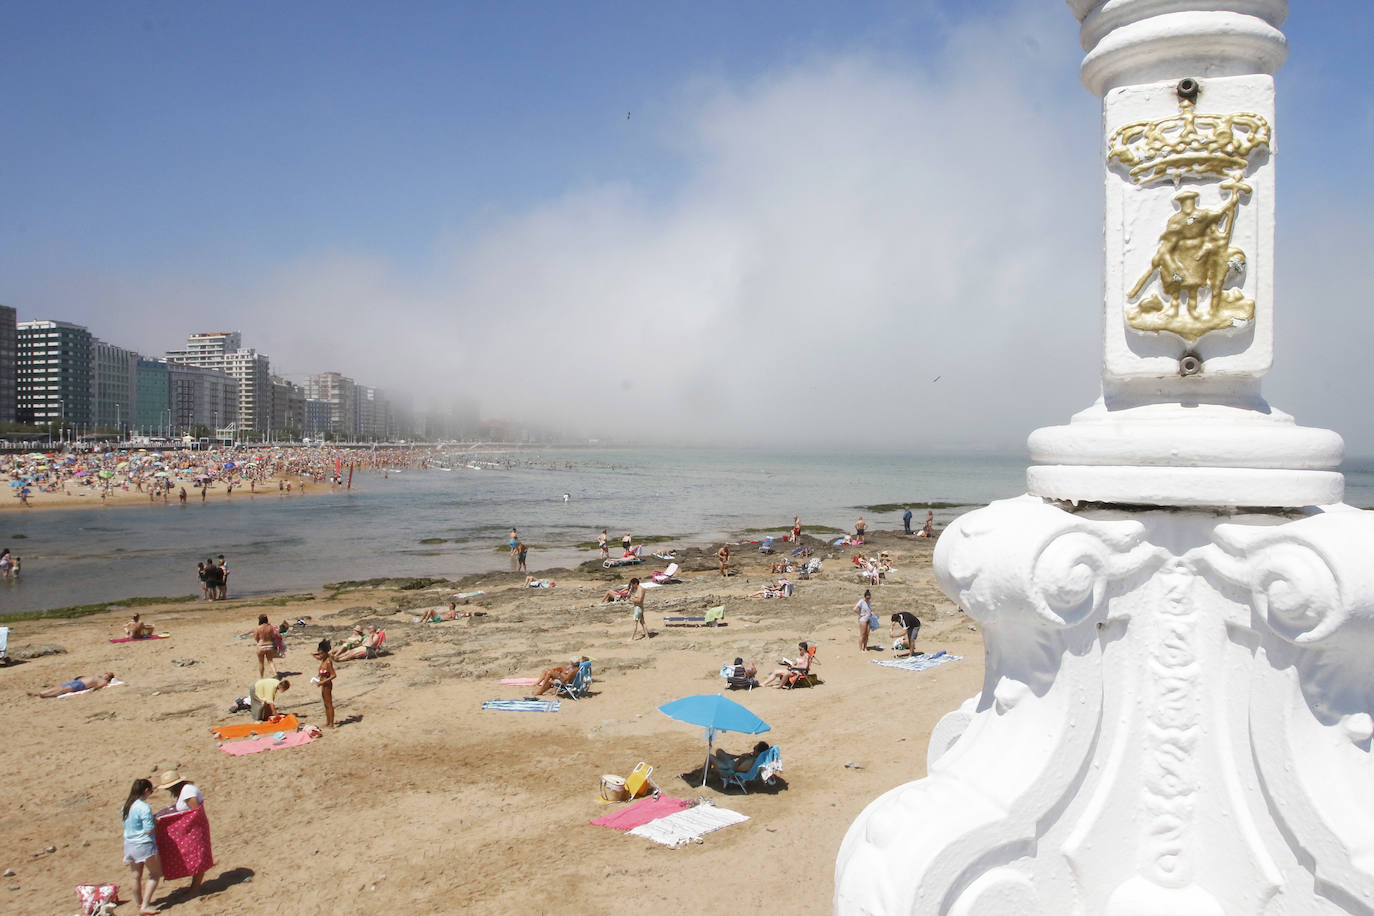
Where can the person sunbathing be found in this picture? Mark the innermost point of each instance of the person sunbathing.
(434, 615)
(532, 582)
(772, 590)
(615, 594)
(76, 685)
(137, 629)
(351, 642)
(791, 671)
(368, 649)
(739, 763)
(557, 675)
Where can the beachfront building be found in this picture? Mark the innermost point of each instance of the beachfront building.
(8, 356)
(341, 393)
(201, 397)
(317, 415)
(53, 374)
(373, 414)
(288, 409)
(224, 351)
(152, 398)
(114, 385)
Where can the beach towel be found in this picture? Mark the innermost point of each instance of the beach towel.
(286, 723)
(919, 662)
(641, 812)
(519, 681)
(463, 596)
(270, 742)
(688, 825)
(522, 705)
(142, 638)
(114, 683)
(183, 843)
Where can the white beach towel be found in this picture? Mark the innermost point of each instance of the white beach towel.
(920, 662)
(688, 825)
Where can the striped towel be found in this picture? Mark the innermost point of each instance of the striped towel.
(920, 662)
(688, 825)
(522, 705)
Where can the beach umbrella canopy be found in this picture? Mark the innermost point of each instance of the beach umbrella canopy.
(106, 475)
(715, 713)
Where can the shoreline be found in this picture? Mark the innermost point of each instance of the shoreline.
(487, 788)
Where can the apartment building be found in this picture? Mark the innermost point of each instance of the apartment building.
(53, 361)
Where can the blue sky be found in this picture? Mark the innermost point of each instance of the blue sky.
(451, 195)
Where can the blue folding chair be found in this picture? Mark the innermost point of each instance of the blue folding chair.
(580, 683)
(742, 778)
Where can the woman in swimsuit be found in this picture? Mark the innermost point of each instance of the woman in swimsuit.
(325, 680)
(265, 646)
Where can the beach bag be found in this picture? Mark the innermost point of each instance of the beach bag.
(613, 788)
(97, 898)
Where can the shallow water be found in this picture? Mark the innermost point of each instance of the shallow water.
(277, 544)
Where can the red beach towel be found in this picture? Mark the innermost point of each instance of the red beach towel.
(142, 638)
(183, 843)
(640, 813)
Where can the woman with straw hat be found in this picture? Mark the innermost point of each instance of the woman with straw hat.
(188, 796)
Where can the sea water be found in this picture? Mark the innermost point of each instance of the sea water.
(449, 523)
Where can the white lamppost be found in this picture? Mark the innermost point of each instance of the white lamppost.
(1178, 616)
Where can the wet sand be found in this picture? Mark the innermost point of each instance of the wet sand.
(421, 802)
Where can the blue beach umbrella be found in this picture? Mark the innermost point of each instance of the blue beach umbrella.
(714, 713)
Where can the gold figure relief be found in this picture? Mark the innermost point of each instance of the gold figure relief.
(1197, 267)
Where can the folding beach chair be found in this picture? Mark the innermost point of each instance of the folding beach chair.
(638, 782)
(769, 761)
(767, 545)
(736, 679)
(580, 682)
(805, 678)
(668, 576)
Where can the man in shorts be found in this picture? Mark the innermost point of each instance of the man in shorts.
(76, 685)
(637, 600)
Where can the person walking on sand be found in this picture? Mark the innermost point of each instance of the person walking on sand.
(796, 529)
(906, 520)
(723, 555)
(265, 645)
(637, 601)
(867, 619)
(140, 845)
(325, 681)
(602, 545)
(521, 550)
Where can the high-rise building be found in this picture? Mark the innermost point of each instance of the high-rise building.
(153, 395)
(288, 409)
(341, 393)
(8, 368)
(114, 385)
(317, 415)
(201, 397)
(53, 373)
(224, 350)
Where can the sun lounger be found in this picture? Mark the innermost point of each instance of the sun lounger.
(667, 577)
(714, 617)
(631, 557)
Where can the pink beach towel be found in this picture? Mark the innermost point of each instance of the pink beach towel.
(183, 843)
(640, 813)
(267, 743)
(519, 681)
(142, 638)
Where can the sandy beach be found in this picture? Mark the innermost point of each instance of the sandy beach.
(423, 802)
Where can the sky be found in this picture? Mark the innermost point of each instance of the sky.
(869, 225)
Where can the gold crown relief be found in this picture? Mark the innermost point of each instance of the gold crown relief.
(1188, 145)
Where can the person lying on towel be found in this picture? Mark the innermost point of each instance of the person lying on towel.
(76, 685)
(615, 594)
